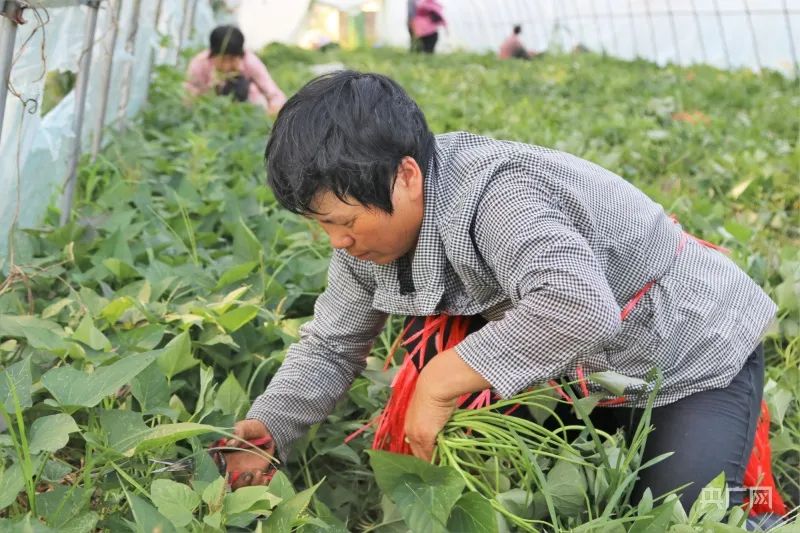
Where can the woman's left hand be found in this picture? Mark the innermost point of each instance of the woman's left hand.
(426, 416)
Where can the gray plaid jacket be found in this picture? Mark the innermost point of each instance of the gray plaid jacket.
(549, 248)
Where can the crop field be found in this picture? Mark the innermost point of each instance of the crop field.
(136, 335)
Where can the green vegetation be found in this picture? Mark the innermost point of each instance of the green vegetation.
(143, 329)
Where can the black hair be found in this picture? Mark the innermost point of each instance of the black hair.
(517, 29)
(226, 41)
(346, 133)
(238, 87)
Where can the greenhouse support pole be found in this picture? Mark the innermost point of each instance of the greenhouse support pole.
(105, 77)
(151, 59)
(699, 32)
(674, 31)
(795, 63)
(8, 33)
(181, 32)
(633, 31)
(753, 35)
(614, 42)
(81, 84)
(721, 28)
(127, 73)
(190, 25)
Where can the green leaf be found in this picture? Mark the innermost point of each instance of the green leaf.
(287, 512)
(41, 334)
(567, 486)
(72, 387)
(231, 397)
(646, 502)
(11, 484)
(778, 402)
(616, 382)
(712, 502)
(174, 500)
(473, 513)
(61, 504)
(120, 269)
(88, 334)
(281, 486)
(214, 520)
(150, 389)
(246, 246)
(214, 494)
(123, 429)
(424, 493)
(51, 433)
(169, 434)
(737, 190)
(177, 356)
(53, 309)
(242, 500)
(16, 378)
(83, 523)
(144, 337)
(25, 524)
(148, 519)
(116, 308)
(236, 318)
(236, 273)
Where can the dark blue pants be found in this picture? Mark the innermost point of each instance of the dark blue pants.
(708, 431)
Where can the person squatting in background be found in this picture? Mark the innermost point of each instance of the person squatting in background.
(228, 69)
(512, 47)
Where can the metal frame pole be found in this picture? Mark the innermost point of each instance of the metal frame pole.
(579, 23)
(792, 49)
(753, 34)
(614, 42)
(598, 28)
(649, 14)
(181, 32)
(190, 25)
(699, 32)
(105, 76)
(8, 34)
(633, 31)
(130, 46)
(722, 35)
(151, 59)
(673, 28)
(81, 86)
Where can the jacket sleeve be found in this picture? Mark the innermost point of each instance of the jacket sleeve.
(321, 366)
(259, 74)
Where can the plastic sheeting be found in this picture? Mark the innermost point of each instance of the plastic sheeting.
(717, 32)
(34, 149)
(678, 31)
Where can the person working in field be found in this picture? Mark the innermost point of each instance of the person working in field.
(512, 46)
(550, 263)
(427, 19)
(228, 69)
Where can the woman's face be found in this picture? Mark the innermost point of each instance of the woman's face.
(227, 64)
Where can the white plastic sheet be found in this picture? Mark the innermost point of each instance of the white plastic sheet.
(622, 28)
(34, 149)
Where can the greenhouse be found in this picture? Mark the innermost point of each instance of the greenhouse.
(400, 266)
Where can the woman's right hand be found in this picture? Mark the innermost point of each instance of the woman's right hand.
(253, 463)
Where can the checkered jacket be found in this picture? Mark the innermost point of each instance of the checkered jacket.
(549, 248)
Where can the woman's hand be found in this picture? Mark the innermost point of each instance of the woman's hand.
(439, 386)
(253, 465)
(426, 416)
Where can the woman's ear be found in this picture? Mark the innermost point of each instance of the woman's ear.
(409, 177)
